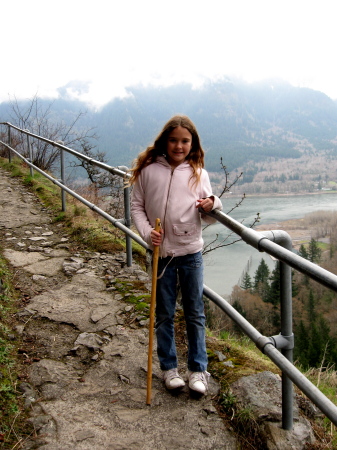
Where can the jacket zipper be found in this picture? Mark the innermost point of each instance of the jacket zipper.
(167, 197)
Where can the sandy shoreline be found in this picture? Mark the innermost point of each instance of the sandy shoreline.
(298, 235)
(291, 194)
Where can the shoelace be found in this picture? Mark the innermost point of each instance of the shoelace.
(198, 376)
(171, 375)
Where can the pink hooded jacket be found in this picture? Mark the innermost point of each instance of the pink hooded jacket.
(170, 195)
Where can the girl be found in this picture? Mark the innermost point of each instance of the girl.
(171, 184)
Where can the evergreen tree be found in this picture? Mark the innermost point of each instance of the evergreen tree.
(301, 345)
(239, 308)
(246, 282)
(294, 285)
(262, 273)
(311, 308)
(330, 344)
(314, 252)
(274, 294)
(261, 280)
(274, 291)
(315, 346)
(241, 311)
(303, 252)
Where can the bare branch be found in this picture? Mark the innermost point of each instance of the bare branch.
(39, 120)
(215, 243)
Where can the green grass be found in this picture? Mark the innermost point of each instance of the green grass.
(323, 246)
(12, 414)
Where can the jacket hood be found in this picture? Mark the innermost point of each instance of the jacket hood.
(162, 160)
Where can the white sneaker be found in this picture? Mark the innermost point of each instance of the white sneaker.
(172, 379)
(198, 381)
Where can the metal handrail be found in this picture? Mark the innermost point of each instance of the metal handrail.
(275, 243)
(58, 144)
(116, 222)
(114, 170)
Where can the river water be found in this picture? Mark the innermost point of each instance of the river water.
(225, 266)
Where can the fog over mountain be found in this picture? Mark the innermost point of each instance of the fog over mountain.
(237, 121)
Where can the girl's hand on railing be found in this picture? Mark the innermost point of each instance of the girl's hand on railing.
(206, 204)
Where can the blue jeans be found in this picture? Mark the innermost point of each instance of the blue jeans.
(189, 269)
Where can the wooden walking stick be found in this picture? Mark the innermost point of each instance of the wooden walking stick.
(152, 310)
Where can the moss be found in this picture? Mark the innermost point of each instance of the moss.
(141, 306)
(16, 168)
(60, 217)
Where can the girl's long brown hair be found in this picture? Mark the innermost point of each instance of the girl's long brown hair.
(195, 158)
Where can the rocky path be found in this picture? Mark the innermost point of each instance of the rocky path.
(85, 345)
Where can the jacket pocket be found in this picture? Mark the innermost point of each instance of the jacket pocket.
(185, 232)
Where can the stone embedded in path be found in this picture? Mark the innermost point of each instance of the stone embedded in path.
(50, 371)
(35, 262)
(20, 259)
(76, 302)
(100, 313)
(38, 278)
(90, 340)
(114, 348)
(82, 435)
(130, 415)
(48, 267)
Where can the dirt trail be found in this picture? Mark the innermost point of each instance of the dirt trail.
(85, 346)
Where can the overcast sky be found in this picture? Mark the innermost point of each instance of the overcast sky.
(108, 44)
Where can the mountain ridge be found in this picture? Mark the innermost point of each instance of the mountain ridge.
(242, 123)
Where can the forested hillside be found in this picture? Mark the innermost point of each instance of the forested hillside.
(237, 121)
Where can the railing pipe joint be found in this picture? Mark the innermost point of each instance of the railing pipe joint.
(252, 238)
(279, 341)
(262, 341)
(283, 342)
(123, 168)
(280, 237)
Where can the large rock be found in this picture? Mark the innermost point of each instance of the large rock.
(262, 395)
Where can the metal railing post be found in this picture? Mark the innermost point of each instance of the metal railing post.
(31, 171)
(283, 239)
(10, 144)
(286, 330)
(127, 212)
(127, 218)
(63, 178)
(285, 341)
